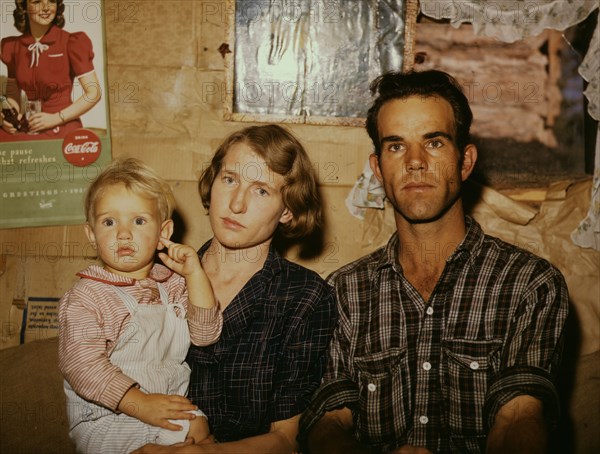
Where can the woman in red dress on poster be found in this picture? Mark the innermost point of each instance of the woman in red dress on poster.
(43, 62)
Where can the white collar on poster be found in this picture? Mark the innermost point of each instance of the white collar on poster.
(36, 49)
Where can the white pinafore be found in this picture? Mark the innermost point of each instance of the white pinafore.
(152, 351)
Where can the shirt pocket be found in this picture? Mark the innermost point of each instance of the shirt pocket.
(384, 385)
(57, 64)
(469, 367)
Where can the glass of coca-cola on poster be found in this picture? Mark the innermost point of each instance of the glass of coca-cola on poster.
(32, 107)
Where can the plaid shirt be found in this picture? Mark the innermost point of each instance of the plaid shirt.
(434, 373)
(271, 354)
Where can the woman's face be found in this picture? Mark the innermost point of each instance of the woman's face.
(41, 12)
(246, 204)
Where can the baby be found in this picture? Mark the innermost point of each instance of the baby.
(124, 331)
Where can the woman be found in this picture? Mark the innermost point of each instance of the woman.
(278, 317)
(43, 62)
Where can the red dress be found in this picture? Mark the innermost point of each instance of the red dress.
(47, 73)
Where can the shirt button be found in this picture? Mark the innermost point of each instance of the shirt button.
(429, 310)
(423, 419)
(372, 387)
(426, 365)
(474, 365)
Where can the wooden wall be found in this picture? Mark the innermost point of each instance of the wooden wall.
(165, 79)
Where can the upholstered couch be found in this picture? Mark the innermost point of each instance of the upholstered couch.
(33, 418)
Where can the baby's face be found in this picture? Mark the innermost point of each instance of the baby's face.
(126, 231)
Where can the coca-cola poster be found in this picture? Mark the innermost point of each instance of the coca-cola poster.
(55, 130)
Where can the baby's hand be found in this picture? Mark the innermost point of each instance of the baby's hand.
(183, 260)
(157, 409)
(180, 258)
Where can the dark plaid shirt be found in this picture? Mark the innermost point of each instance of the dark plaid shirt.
(271, 354)
(434, 373)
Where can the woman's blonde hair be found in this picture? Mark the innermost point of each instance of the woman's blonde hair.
(138, 178)
(284, 155)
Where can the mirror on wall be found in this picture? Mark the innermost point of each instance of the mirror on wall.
(306, 61)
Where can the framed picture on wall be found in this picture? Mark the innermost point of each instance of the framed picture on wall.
(55, 135)
(311, 61)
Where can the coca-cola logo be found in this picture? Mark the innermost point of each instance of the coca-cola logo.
(81, 147)
(87, 147)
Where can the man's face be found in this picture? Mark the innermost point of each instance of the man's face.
(420, 166)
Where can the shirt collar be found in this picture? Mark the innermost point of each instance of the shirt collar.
(468, 247)
(471, 243)
(239, 314)
(389, 256)
(50, 37)
(158, 273)
(273, 265)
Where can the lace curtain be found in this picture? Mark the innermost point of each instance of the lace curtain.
(511, 20)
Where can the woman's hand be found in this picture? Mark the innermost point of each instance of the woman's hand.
(41, 121)
(186, 447)
(8, 127)
(159, 449)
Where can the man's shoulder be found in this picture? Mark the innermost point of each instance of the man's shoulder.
(360, 268)
(508, 254)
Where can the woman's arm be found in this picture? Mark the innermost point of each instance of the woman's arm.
(90, 97)
(280, 439)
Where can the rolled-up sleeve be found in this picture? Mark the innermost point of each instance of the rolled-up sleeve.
(533, 349)
(205, 324)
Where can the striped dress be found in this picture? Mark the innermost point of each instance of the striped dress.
(144, 330)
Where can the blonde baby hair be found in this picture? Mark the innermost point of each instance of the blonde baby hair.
(138, 178)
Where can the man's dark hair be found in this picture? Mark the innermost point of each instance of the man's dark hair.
(398, 85)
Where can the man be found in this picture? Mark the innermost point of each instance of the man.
(448, 339)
